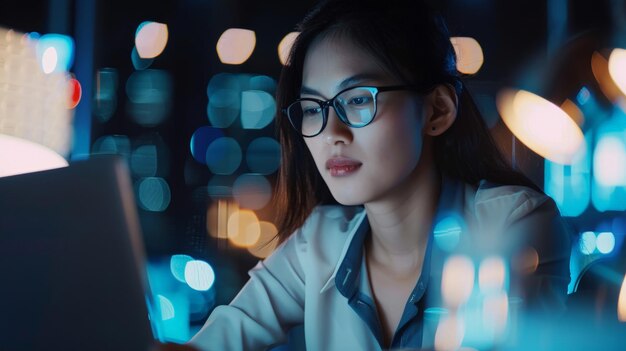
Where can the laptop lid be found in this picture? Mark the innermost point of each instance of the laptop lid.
(71, 260)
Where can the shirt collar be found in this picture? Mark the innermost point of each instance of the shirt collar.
(346, 271)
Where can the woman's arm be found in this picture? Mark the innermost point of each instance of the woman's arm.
(269, 304)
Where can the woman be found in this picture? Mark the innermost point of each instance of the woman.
(375, 118)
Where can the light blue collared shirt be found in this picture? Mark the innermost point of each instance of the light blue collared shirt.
(318, 277)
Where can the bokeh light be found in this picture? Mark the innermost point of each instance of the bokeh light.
(526, 261)
(49, 60)
(284, 47)
(138, 62)
(223, 156)
(220, 187)
(617, 68)
(223, 108)
(262, 82)
(447, 232)
(605, 242)
(55, 52)
(143, 161)
(243, 228)
(177, 266)
(621, 302)
(263, 155)
(218, 214)
(76, 92)
(105, 95)
(235, 46)
(252, 191)
(492, 275)
(267, 240)
(257, 109)
(609, 161)
(450, 333)
(600, 70)
(540, 125)
(153, 194)
(457, 280)
(149, 94)
(199, 275)
(200, 141)
(166, 307)
(112, 145)
(587, 243)
(151, 39)
(19, 156)
(495, 312)
(469, 54)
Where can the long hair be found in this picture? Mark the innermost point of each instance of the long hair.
(412, 43)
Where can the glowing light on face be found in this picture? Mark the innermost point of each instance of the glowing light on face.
(284, 47)
(469, 54)
(617, 68)
(151, 39)
(457, 280)
(541, 125)
(235, 46)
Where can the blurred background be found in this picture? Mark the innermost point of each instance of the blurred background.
(184, 90)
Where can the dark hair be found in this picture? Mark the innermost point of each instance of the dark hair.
(412, 42)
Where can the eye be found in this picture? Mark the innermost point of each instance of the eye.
(360, 100)
(312, 111)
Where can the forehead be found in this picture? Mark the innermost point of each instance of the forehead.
(332, 59)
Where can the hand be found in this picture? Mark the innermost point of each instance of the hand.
(172, 347)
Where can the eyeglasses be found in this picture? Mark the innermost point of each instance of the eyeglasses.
(355, 107)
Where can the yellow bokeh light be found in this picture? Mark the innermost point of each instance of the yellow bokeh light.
(217, 218)
(469, 54)
(243, 228)
(495, 312)
(609, 159)
(235, 46)
(151, 39)
(449, 334)
(284, 47)
(491, 274)
(267, 241)
(457, 280)
(621, 302)
(617, 68)
(573, 111)
(600, 70)
(541, 125)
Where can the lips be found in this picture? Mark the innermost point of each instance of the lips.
(342, 166)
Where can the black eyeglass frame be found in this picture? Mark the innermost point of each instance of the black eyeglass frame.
(375, 90)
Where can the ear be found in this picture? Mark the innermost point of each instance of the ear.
(441, 109)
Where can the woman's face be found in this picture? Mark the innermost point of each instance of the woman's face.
(362, 165)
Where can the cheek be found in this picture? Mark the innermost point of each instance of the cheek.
(314, 148)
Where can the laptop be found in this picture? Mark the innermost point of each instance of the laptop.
(72, 261)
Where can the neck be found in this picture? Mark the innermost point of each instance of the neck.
(401, 222)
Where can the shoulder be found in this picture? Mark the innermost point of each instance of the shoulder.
(330, 223)
(510, 203)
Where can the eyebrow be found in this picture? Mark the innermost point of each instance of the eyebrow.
(350, 81)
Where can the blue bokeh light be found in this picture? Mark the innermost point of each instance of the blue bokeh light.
(263, 155)
(177, 266)
(223, 156)
(200, 141)
(166, 307)
(199, 275)
(588, 243)
(64, 47)
(605, 242)
(257, 109)
(153, 194)
(447, 232)
(252, 191)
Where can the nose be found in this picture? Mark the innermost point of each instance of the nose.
(336, 131)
